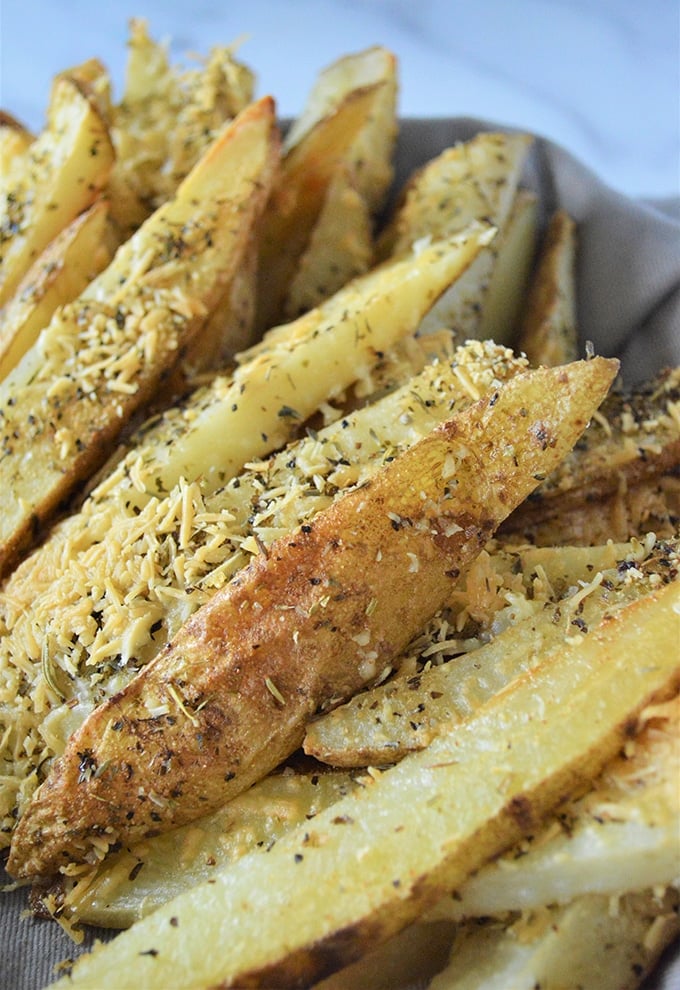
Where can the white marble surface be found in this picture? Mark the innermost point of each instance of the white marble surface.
(600, 77)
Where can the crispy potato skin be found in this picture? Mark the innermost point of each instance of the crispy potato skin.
(310, 622)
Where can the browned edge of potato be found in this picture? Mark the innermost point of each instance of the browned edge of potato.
(316, 617)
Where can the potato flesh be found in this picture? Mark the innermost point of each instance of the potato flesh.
(61, 273)
(593, 942)
(430, 510)
(623, 835)
(154, 871)
(66, 168)
(102, 356)
(381, 725)
(308, 169)
(388, 852)
(548, 333)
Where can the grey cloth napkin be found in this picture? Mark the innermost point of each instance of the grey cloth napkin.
(629, 307)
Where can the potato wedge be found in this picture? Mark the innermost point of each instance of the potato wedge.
(283, 379)
(103, 356)
(340, 245)
(548, 332)
(65, 170)
(623, 835)
(220, 427)
(634, 438)
(150, 873)
(65, 643)
(651, 505)
(425, 825)
(356, 71)
(339, 248)
(310, 167)
(509, 277)
(166, 120)
(323, 606)
(69, 263)
(404, 714)
(590, 943)
(474, 180)
(15, 140)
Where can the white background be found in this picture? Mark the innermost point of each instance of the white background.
(601, 77)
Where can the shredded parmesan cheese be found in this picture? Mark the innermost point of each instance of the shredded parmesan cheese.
(120, 577)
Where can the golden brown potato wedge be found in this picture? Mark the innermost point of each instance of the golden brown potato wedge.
(340, 245)
(474, 180)
(296, 369)
(548, 332)
(633, 440)
(103, 356)
(622, 835)
(404, 714)
(65, 170)
(61, 272)
(311, 620)
(166, 120)
(316, 172)
(390, 850)
(66, 645)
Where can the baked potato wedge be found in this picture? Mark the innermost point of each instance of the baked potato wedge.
(390, 850)
(319, 169)
(63, 172)
(15, 140)
(509, 278)
(340, 245)
(474, 180)
(402, 715)
(102, 357)
(622, 835)
(582, 849)
(166, 120)
(66, 645)
(548, 333)
(633, 440)
(76, 255)
(280, 384)
(317, 616)
(590, 942)
(650, 505)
